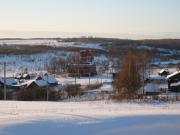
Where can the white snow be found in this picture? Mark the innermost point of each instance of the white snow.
(152, 87)
(169, 62)
(173, 74)
(103, 78)
(95, 117)
(103, 88)
(49, 78)
(27, 42)
(145, 47)
(51, 42)
(163, 51)
(163, 70)
(34, 62)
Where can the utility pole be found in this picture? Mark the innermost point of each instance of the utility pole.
(89, 79)
(78, 66)
(75, 78)
(4, 80)
(47, 88)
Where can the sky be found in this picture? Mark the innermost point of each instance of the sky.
(113, 18)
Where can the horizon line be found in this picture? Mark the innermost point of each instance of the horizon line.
(14, 34)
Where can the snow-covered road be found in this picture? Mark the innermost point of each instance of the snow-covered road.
(90, 118)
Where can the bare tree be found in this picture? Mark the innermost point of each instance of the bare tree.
(128, 80)
(56, 66)
(178, 67)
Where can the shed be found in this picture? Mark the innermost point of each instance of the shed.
(164, 72)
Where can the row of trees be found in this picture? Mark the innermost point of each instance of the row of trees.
(56, 66)
(40, 94)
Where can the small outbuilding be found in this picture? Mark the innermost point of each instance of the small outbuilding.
(164, 72)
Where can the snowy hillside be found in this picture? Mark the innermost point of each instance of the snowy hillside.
(99, 117)
(33, 62)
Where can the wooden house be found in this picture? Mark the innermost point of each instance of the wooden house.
(82, 64)
(39, 81)
(174, 81)
(86, 56)
(82, 69)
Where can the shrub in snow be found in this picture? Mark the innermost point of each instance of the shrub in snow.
(73, 90)
(37, 94)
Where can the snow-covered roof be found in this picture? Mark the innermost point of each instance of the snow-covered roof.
(173, 74)
(25, 75)
(49, 78)
(40, 83)
(163, 70)
(43, 80)
(9, 81)
(150, 87)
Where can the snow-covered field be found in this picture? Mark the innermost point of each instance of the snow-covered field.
(90, 118)
(103, 78)
(162, 50)
(72, 117)
(34, 62)
(51, 42)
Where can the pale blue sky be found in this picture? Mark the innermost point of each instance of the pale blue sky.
(91, 16)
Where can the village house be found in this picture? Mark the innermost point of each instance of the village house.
(39, 81)
(50, 79)
(174, 81)
(82, 64)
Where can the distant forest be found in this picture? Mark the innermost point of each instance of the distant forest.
(110, 43)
